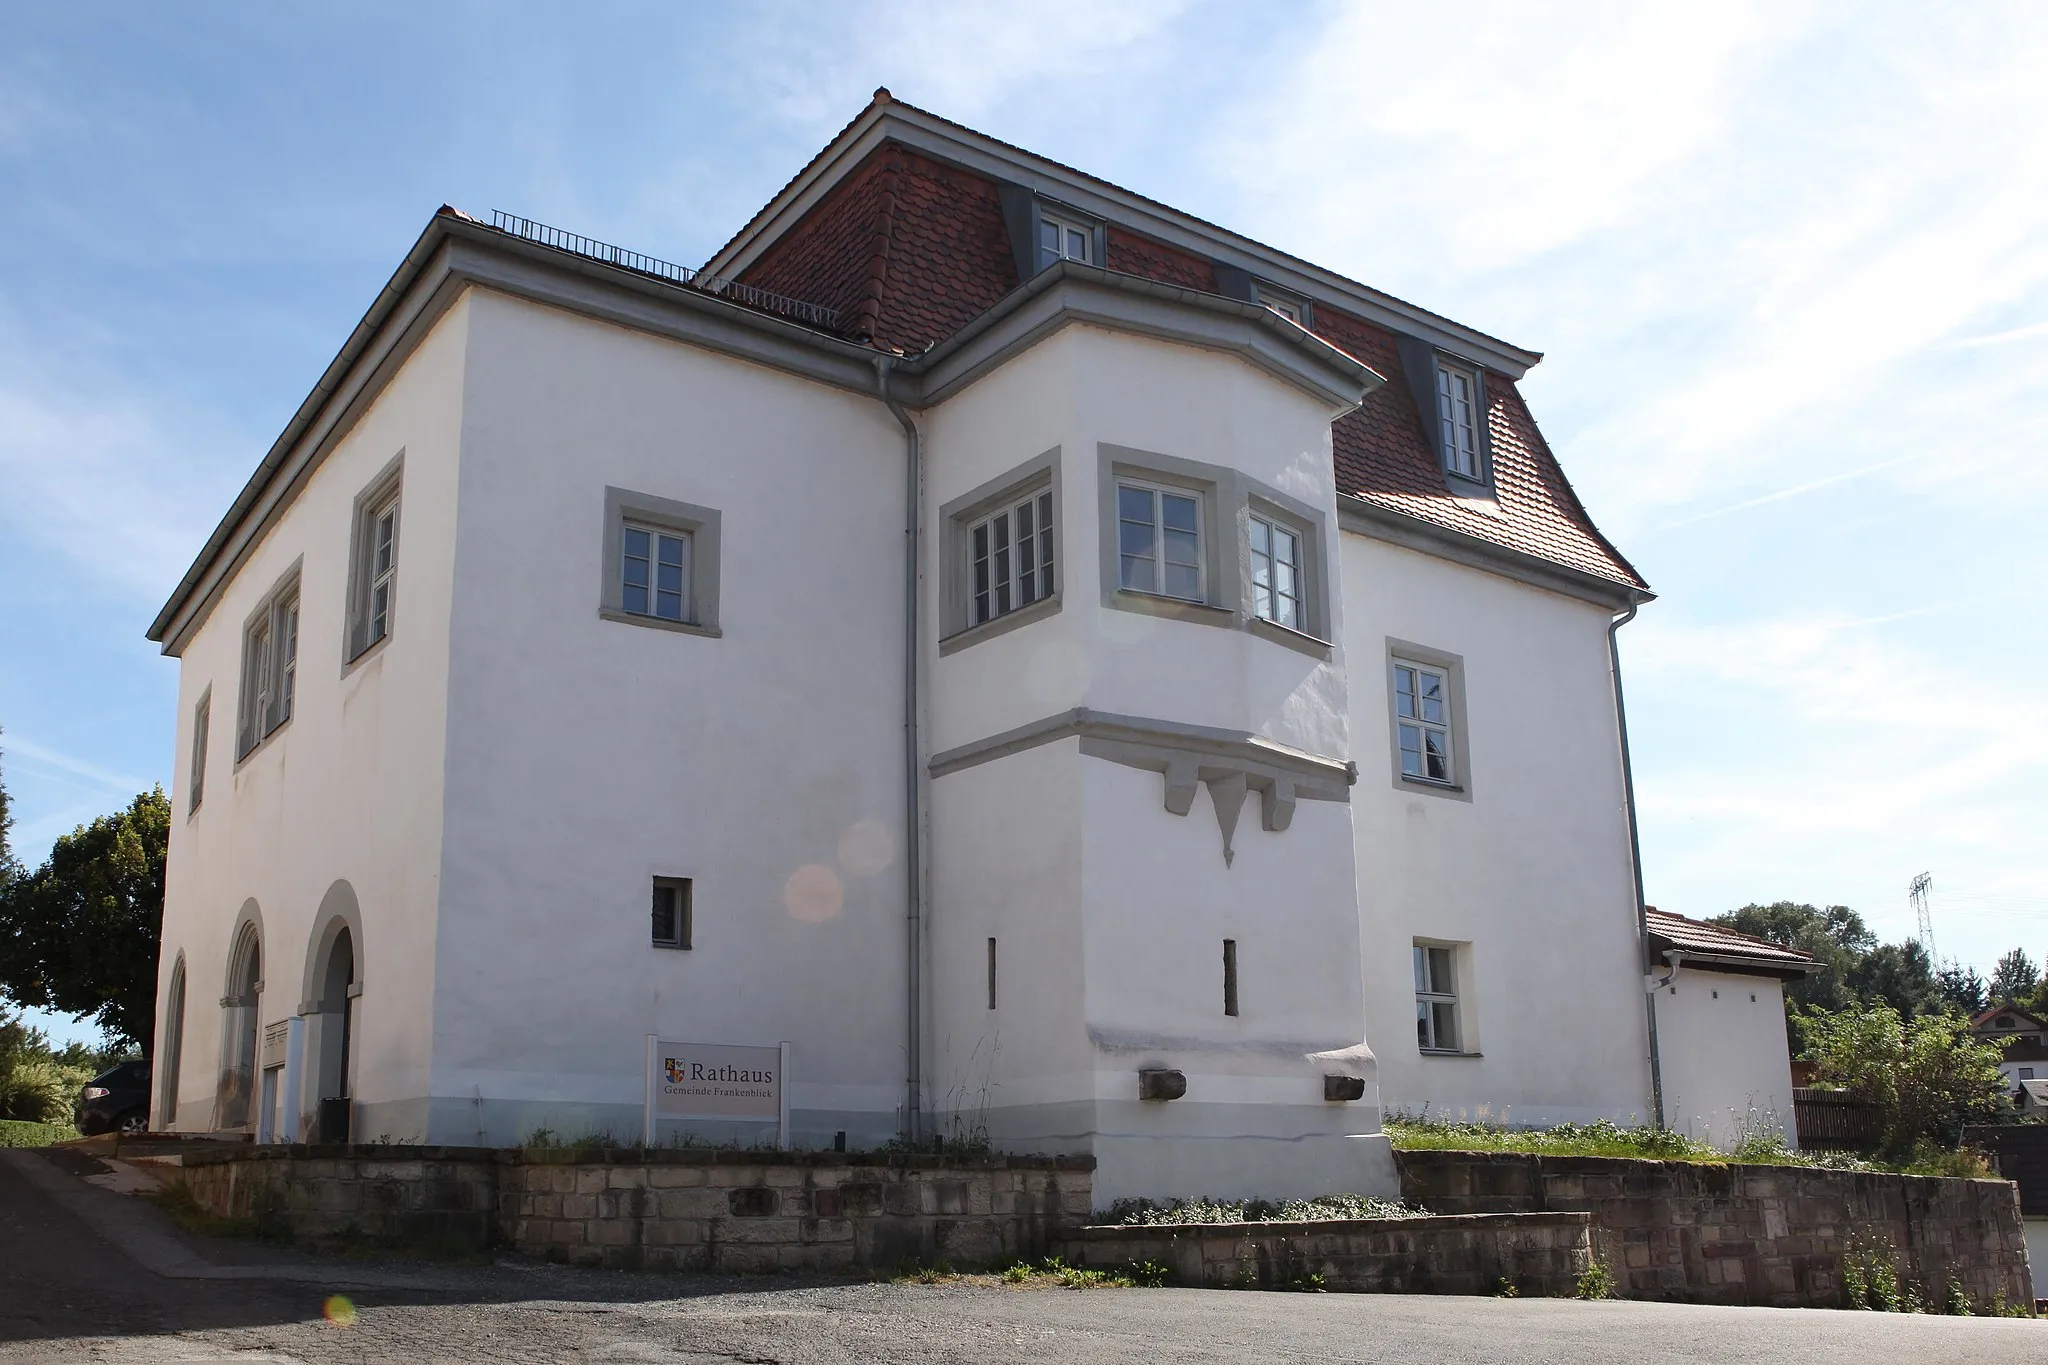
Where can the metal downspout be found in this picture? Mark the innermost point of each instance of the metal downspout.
(1635, 855)
(913, 787)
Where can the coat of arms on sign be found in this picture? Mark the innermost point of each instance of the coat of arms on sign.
(674, 1067)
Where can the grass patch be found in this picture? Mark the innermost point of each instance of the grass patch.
(20, 1133)
(1323, 1208)
(1052, 1272)
(1758, 1146)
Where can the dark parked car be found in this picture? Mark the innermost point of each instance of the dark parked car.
(118, 1098)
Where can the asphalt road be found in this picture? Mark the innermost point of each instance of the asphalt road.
(91, 1275)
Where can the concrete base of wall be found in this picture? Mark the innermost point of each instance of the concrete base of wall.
(1541, 1255)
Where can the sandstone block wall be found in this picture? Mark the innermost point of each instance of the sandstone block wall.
(1539, 1254)
(789, 1211)
(1745, 1234)
(433, 1196)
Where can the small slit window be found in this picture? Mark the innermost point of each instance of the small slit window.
(202, 724)
(672, 912)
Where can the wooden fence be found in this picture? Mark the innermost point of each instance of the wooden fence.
(1831, 1121)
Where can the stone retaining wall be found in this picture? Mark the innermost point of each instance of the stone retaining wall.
(790, 1211)
(664, 1209)
(1541, 1254)
(1745, 1234)
(430, 1196)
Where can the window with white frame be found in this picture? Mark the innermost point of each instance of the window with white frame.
(1064, 239)
(1276, 573)
(373, 566)
(1010, 558)
(383, 567)
(1436, 998)
(672, 912)
(1159, 541)
(202, 722)
(1457, 403)
(1422, 716)
(654, 573)
(270, 668)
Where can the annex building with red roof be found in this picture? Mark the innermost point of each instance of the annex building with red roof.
(1078, 676)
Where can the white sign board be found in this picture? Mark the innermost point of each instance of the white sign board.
(717, 1081)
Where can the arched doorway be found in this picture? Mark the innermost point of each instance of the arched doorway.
(234, 1097)
(170, 1049)
(332, 1038)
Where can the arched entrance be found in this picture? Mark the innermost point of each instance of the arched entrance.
(170, 1049)
(234, 1097)
(332, 1035)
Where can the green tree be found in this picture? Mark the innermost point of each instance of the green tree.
(1836, 936)
(7, 865)
(1962, 989)
(2015, 979)
(1928, 1075)
(79, 934)
(1900, 975)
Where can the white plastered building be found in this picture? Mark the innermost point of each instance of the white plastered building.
(1068, 696)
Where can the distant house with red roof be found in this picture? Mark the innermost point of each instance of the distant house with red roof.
(2022, 1040)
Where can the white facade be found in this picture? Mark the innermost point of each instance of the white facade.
(1727, 1067)
(1113, 788)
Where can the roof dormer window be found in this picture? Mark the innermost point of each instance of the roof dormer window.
(1457, 403)
(1062, 238)
(1293, 307)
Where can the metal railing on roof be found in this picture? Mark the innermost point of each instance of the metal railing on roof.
(767, 300)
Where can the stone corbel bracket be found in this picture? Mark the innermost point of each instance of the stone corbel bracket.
(1231, 763)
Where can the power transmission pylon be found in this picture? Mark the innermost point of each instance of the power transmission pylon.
(1917, 893)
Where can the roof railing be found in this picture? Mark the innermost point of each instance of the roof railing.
(767, 300)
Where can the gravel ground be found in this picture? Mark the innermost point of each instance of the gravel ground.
(87, 1274)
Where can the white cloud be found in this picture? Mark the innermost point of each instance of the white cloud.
(1830, 758)
(99, 482)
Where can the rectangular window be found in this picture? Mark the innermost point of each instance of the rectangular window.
(1010, 558)
(672, 912)
(1159, 541)
(1422, 716)
(383, 568)
(270, 668)
(373, 562)
(1436, 998)
(654, 573)
(1276, 573)
(1230, 977)
(202, 722)
(1064, 239)
(1457, 411)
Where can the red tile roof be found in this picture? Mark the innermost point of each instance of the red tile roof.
(1690, 936)
(910, 249)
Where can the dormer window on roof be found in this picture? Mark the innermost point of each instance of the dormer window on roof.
(1291, 306)
(1064, 238)
(1457, 401)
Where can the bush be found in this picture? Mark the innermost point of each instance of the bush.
(1928, 1076)
(1603, 1138)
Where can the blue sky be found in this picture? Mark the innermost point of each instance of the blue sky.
(1788, 262)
